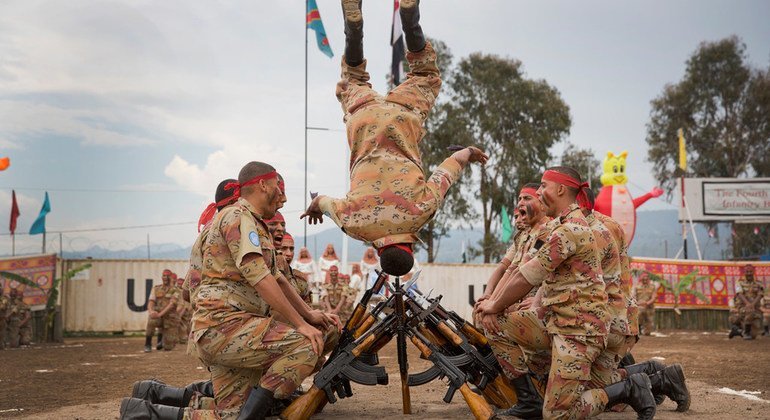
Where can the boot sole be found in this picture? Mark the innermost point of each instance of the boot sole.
(684, 405)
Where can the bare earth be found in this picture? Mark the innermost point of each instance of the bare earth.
(86, 378)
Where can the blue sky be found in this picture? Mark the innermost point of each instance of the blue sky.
(130, 113)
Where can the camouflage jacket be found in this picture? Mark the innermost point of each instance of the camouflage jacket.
(163, 295)
(568, 269)
(389, 198)
(227, 291)
(611, 273)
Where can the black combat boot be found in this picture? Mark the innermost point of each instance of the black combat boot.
(529, 404)
(160, 342)
(136, 409)
(257, 405)
(410, 23)
(747, 332)
(649, 367)
(767, 331)
(147, 344)
(157, 392)
(354, 32)
(734, 332)
(671, 383)
(636, 392)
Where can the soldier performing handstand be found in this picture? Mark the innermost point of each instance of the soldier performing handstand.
(389, 198)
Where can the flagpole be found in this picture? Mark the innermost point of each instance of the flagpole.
(13, 244)
(304, 238)
(43, 242)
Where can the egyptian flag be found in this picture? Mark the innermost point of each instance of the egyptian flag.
(315, 23)
(14, 213)
(399, 50)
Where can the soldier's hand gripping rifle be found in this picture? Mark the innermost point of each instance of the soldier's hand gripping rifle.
(336, 374)
(472, 342)
(457, 378)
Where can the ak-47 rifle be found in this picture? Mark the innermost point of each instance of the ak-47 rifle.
(457, 378)
(336, 374)
(473, 343)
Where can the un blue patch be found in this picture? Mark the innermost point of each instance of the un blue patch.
(254, 238)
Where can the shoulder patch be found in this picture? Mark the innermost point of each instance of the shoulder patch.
(254, 238)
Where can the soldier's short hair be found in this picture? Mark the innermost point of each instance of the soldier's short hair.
(395, 261)
(222, 193)
(251, 170)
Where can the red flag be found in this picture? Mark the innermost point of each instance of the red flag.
(14, 213)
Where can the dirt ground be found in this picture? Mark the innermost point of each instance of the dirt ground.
(85, 378)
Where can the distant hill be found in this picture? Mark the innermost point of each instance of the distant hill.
(658, 234)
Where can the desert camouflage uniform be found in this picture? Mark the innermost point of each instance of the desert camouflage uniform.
(19, 334)
(749, 315)
(169, 323)
(643, 293)
(235, 334)
(519, 354)
(389, 199)
(619, 337)
(5, 309)
(568, 269)
(766, 308)
(632, 308)
(295, 278)
(335, 292)
(192, 279)
(185, 320)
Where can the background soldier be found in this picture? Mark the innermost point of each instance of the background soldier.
(183, 309)
(335, 295)
(748, 295)
(5, 307)
(19, 328)
(161, 309)
(646, 292)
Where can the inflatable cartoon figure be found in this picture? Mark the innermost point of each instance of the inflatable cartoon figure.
(4, 163)
(614, 200)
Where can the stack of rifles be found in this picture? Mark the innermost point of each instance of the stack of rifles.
(458, 351)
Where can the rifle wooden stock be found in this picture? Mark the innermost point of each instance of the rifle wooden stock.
(355, 318)
(361, 329)
(306, 405)
(475, 336)
(436, 339)
(313, 400)
(504, 391)
(478, 405)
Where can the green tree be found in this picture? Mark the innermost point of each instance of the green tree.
(585, 162)
(515, 120)
(723, 105)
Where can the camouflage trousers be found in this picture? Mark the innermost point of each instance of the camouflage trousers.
(522, 345)
(742, 317)
(185, 323)
(168, 326)
(576, 378)
(646, 320)
(418, 92)
(258, 351)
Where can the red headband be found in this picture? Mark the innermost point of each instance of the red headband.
(277, 218)
(405, 247)
(237, 187)
(166, 272)
(211, 210)
(287, 237)
(528, 190)
(564, 179)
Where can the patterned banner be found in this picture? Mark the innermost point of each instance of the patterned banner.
(719, 286)
(39, 268)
